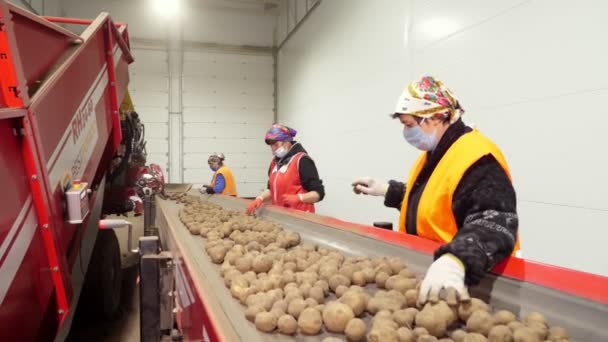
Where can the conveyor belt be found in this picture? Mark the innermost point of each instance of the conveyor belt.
(586, 320)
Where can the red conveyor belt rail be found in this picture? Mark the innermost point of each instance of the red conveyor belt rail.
(576, 300)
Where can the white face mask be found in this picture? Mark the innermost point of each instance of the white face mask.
(280, 152)
(419, 139)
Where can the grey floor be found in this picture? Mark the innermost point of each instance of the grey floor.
(123, 329)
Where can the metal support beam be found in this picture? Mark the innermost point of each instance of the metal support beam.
(298, 24)
(175, 54)
(155, 290)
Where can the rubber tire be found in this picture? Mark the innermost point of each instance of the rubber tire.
(104, 277)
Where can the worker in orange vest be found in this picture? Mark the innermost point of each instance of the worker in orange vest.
(293, 179)
(459, 191)
(223, 180)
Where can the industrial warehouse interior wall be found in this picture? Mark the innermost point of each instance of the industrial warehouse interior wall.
(201, 84)
(227, 107)
(531, 75)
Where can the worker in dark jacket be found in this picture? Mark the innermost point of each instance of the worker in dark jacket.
(459, 191)
(223, 180)
(293, 180)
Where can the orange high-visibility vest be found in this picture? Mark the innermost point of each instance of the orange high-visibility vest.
(230, 188)
(434, 218)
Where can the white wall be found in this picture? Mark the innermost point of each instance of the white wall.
(42, 7)
(536, 84)
(202, 82)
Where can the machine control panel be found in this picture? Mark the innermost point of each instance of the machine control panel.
(77, 202)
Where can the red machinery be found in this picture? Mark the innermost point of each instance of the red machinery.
(62, 130)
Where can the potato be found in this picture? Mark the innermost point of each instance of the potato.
(387, 323)
(261, 263)
(474, 337)
(238, 286)
(317, 294)
(355, 330)
(500, 333)
(310, 321)
(376, 304)
(480, 322)
(287, 325)
(381, 278)
(265, 321)
(217, 253)
(358, 278)
(336, 315)
(250, 276)
(382, 335)
(557, 333)
(331, 339)
(525, 334)
(504, 317)
(296, 306)
(411, 298)
(420, 331)
(534, 317)
(355, 300)
(341, 290)
(466, 309)
(252, 311)
(399, 283)
(396, 265)
(405, 335)
(404, 318)
(292, 295)
(445, 339)
(433, 322)
(243, 264)
(305, 289)
(311, 303)
(291, 266)
(370, 274)
(427, 338)
(337, 280)
(447, 312)
(515, 325)
(458, 335)
(539, 328)
(324, 285)
(280, 304)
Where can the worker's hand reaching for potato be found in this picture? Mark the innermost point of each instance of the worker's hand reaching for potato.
(369, 186)
(255, 205)
(447, 273)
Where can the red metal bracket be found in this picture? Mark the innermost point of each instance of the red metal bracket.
(12, 96)
(37, 180)
(114, 105)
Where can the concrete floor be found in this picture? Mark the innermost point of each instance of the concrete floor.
(126, 327)
(123, 329)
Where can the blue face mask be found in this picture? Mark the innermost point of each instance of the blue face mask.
(419, 139)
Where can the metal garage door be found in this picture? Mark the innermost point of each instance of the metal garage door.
(227, 107)
(149, 88)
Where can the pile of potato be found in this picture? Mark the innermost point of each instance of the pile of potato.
(292, 287)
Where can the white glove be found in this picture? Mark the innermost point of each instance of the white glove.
(445, 273)
(369, 186)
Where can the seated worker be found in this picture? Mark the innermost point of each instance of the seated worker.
(223, 180)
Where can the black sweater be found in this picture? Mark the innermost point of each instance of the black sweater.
(484, 205)
(309, 176)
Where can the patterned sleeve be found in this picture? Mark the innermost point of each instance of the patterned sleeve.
(485, 208)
